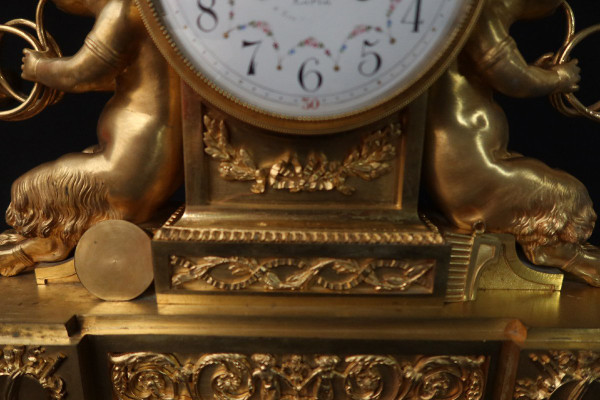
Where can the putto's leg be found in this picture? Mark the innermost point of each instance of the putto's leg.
(22, 256)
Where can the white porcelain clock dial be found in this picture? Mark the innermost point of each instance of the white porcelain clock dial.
(309, 64)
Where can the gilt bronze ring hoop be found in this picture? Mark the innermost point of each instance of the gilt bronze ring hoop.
(593, 111)
(40, 96)
(559, 100)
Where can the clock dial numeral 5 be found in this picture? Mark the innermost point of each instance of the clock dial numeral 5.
(369, 58)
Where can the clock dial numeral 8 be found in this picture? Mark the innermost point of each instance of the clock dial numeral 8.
(207, 20)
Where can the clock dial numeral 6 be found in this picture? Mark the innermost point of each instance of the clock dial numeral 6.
(207, 20)
(312, 75)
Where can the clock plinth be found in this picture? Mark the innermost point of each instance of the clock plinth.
(273, 213)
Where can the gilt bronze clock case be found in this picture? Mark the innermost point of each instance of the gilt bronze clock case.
(313, 198)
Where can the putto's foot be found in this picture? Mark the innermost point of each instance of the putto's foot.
(10, 237)
(580, 260)
(13, 260)
(585, 265)
(24, 255)
(591, 249)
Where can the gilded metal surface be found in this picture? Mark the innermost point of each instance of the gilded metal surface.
(570, 373)
(136, 165)
(305, 274)
(368, 161)
(231, 376)
(18, 362)
(490, 262)
(481, 185)
(114, 260)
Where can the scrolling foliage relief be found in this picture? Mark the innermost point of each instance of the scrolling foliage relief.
(228, 376)
(17, 362)
(578, 369)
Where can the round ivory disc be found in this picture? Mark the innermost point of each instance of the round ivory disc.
(114, 261)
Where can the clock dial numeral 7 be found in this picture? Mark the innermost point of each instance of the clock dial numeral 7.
(373, 56)
(252, 65)
(413, 15)
(311, 74)
(207, 20)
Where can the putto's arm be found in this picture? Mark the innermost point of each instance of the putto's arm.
(96, 64)
(497, 59)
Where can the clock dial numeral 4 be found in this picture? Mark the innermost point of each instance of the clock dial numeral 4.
(413, 16)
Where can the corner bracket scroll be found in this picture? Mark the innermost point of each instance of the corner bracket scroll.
(489, 261)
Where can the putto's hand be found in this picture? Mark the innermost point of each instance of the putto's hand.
(568, 76)
(31, 59)
(546, 61)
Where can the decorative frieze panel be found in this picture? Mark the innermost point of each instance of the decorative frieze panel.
(311, 275)
(225, 376)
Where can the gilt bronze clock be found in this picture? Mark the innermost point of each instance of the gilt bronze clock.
(304, 266)
(309, 67)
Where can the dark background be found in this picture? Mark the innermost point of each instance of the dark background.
(537, 130)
